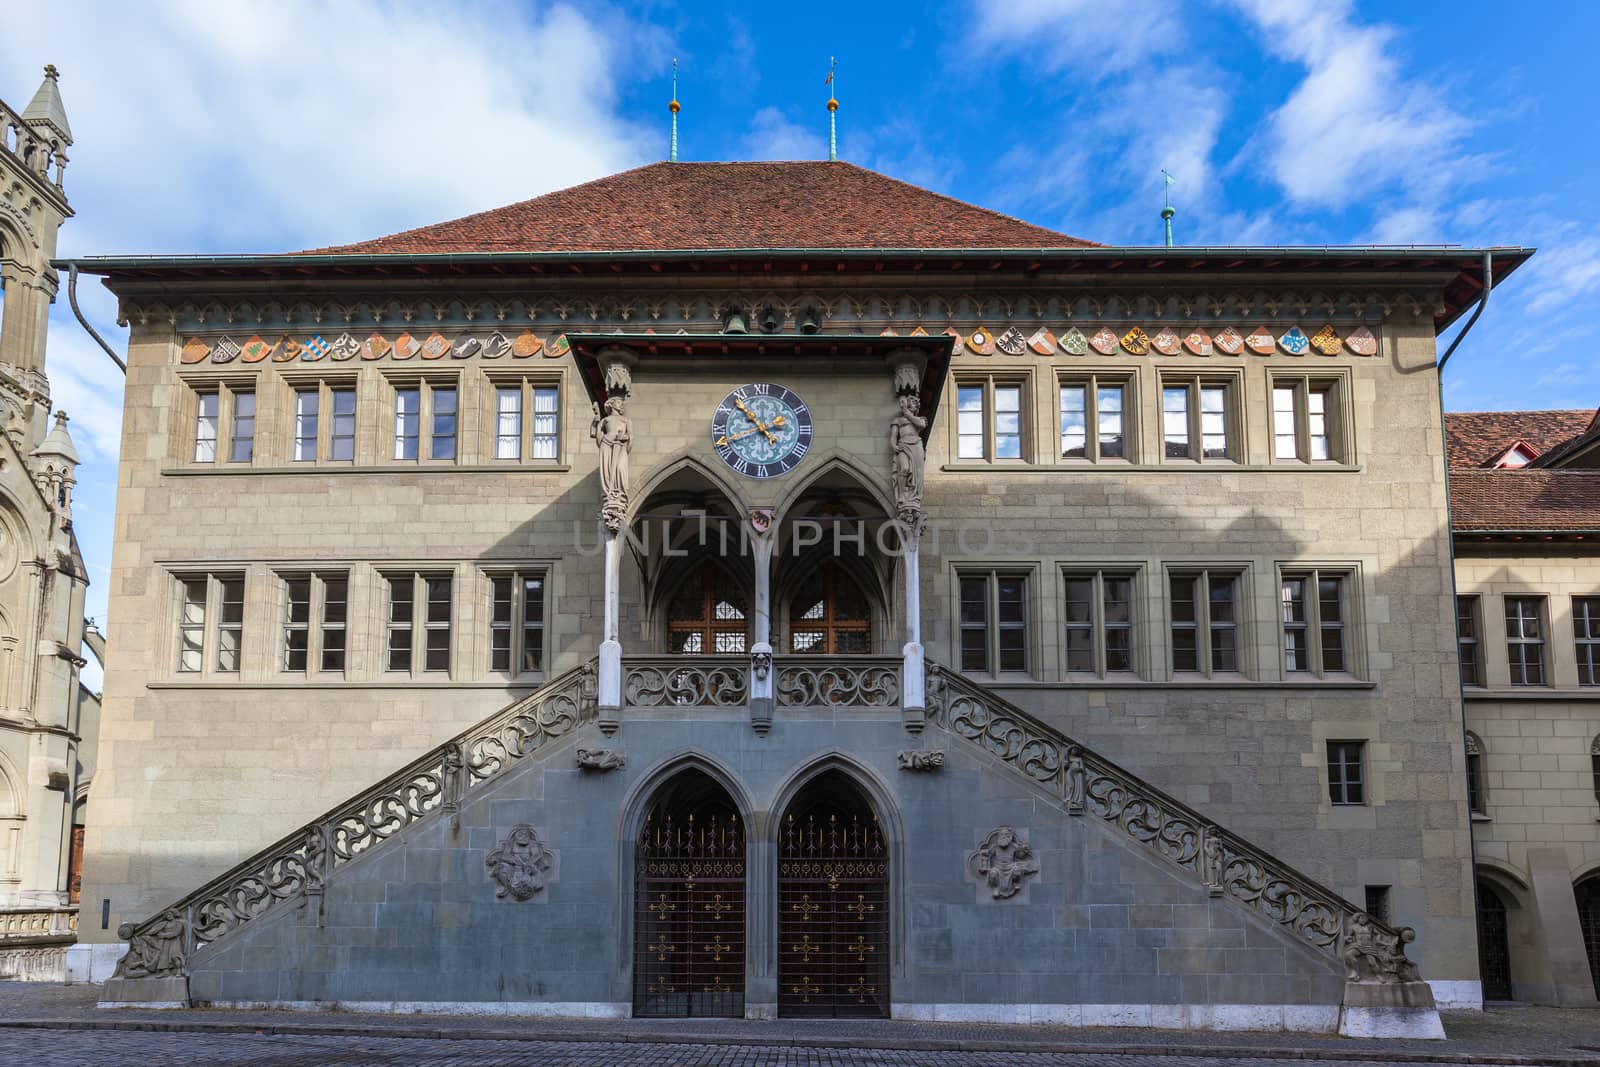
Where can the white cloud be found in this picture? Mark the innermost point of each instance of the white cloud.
(773, 135)
(259, 127)
(1564, 274)
(1355, 124)
(1566, 374)
(1092, 37)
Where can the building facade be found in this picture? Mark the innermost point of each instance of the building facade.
(775, 589)
(1525, 508)
(47, 718)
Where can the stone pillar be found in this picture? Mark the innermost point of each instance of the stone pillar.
(907, 456)
(761, 666)
(609, 700)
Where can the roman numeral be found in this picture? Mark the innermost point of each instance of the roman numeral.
(800, 450)
(762, 387)
(741, 465)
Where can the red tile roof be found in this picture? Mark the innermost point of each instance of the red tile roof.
(701, 206)
(1527, 500)
(1478, 438)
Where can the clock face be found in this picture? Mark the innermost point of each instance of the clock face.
(761, 430)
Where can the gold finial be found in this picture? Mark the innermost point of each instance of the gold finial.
(51, 72)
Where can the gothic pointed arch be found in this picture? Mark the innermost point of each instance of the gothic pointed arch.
(685, 840)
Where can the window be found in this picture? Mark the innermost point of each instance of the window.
(332, 438)
(306, 403)
(828, 614)
(1196, 417)
(242, 439)
(708, 614)
(994, 622)
(1313, 605)
(988, 420)
(202, 641)
(1099, 623)
(225, 415)
(1467, 640)
(1094, 419)
(208, 413)
(1594, 766)
(1525, 639)
(1586, 632)
(1305, 420)
(1378, 902)
(537, 437)
(418, 623)
(1205, 622)
(325, 598)
(425, 404)
(516, 623)
(1476, 792)
(1346, 778)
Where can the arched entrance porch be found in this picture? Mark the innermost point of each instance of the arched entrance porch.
(689, 930)
(833, 903)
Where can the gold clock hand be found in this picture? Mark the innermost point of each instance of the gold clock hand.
(749, 415)
(778, 422)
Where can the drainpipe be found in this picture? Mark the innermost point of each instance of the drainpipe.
(72, 298)
(1450, 545)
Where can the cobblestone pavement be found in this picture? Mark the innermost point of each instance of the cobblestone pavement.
(76, 1028)
(110, 1048)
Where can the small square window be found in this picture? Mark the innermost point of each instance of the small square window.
(1094, 417)
(993, 622)
(1306, 420)
(990, 419)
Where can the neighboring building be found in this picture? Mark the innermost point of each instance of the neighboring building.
(1527, 545)
(1183, 505)
(46, 747)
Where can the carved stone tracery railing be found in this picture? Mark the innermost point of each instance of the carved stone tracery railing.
(298, 864)
(19, 925)
(839, 682)
(1229, 866)
(724, 681)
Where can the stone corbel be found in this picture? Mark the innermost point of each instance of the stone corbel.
(616, 370)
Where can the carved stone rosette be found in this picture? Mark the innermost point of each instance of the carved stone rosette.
(1003, 863)
(520, 865)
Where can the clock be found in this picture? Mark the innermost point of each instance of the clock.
(761, 430)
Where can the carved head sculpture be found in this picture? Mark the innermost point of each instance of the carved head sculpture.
(909, 404)
(615, 405)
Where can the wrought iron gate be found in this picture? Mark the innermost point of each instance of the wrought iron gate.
(833, 918)
(1588, 894)
(1494, 950)
(688, 928)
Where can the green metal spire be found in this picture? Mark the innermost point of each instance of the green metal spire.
(674, 107)
(1166, 199)
(833, 114)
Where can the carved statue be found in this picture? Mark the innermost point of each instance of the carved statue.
(316, 851)
(1076, 781)
(916, 760)
(1373, 956)
(519, 865)
(601, 759)
(905, 441)
(1003, 862)
(450, 781)
(761, 664)
(154, 953)
(613, 432)
(1211, 860)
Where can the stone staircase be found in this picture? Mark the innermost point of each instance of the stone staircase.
(1384, 995)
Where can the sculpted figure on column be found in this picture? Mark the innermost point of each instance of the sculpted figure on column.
(905, 440)
(614, 434)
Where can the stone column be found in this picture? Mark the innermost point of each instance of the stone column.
(612, 431)
(761, 667)
(907, 455)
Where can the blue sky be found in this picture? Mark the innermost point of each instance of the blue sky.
(206, 127)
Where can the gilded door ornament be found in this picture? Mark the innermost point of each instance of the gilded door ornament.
(1003, 863)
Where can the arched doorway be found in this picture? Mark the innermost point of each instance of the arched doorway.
(833, 903)
(1588, 894)
(1494, 946)
(829, 614)
(709, 614)
(688, 911)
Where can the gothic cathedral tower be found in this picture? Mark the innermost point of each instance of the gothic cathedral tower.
(45, 761)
